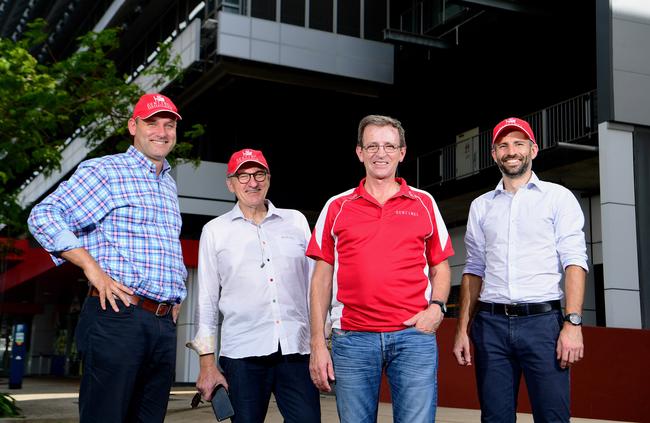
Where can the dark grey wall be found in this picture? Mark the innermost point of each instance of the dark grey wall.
(642, 195)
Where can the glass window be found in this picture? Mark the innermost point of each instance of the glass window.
(321, 14)
(374, 19)
(230, 6)
(263, 9)
(348, 17)
(293, 12)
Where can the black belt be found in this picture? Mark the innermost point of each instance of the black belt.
(520, 309)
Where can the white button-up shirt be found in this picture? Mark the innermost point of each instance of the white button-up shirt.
(258, 277)
(520, 243)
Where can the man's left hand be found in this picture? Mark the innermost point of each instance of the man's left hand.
(570, 348)
(428, 320)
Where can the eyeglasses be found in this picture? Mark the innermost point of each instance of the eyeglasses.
(244, 178)
(388, 148)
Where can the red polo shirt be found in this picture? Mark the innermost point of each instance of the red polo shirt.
(381, 255)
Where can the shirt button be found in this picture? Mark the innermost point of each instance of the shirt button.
(271, 280)
(277, 322)
(263, 242)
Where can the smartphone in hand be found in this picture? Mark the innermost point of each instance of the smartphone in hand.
(221, 403)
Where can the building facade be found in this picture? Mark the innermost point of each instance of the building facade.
(294, 77)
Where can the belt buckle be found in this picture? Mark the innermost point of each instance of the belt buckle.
(165, 309)
(512, 313)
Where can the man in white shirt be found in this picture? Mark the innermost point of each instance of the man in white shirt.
(520, 239)
(253, 270)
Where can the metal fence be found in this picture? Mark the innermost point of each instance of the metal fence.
(571, 121)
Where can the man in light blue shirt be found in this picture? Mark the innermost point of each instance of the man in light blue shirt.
(520, 239)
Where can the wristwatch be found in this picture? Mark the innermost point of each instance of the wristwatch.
(574, 318)
(442, 305)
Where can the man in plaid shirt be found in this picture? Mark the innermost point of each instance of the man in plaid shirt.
(117, 218)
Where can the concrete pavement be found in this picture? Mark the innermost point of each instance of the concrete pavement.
(55, 400)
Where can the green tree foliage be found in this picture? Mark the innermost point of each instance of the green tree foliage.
(43, 105)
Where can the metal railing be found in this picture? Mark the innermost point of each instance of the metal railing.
(425, 15)
(563, 123)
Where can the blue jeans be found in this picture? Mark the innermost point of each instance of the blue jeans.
(504, 347)
(410, 358)
(252, 379)
(129, 359)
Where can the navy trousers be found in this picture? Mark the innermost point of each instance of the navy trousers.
(251, 381)
(128, 363)
(504, 347)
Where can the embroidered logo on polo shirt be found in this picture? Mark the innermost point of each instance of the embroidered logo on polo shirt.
(406, 213)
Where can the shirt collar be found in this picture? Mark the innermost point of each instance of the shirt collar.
(145, 162)
(404, 190)
(271, 210)
(533, 182)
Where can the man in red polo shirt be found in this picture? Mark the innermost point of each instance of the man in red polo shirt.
(381, 252)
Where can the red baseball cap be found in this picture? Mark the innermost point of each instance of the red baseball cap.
(244, 156)
(512, 124)
(150, 104)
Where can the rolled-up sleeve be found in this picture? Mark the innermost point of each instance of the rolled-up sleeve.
(569, 236)
(474, 242)
(209, 285)
(77, 203)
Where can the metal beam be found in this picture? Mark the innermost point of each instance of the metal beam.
(582, 147)
(503, 5)
(413, 38)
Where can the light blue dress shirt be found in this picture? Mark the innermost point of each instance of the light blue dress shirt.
(520, 243)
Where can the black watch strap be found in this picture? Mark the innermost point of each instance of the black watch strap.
(442, 305)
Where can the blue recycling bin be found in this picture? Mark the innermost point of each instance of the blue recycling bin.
(18, 356)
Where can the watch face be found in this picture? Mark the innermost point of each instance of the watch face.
(574, 319)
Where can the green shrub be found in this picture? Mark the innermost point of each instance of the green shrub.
(8, 407)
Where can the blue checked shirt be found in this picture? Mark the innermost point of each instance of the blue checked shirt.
(126, 216)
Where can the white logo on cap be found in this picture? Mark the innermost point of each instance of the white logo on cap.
(511, 120)
(247, 152)
(159, 98)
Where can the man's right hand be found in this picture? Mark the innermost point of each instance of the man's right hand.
(108, 288)
(461, 348)
(209, 377)
(321, 368)
(105, 285)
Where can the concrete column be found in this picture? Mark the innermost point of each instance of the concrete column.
(618, 224)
